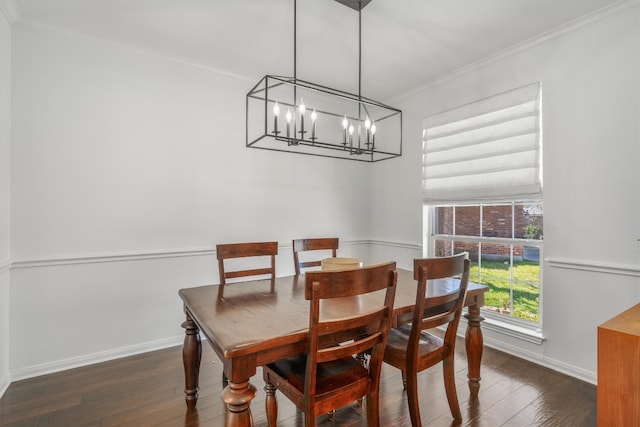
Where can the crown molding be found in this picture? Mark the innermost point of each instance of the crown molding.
(10, 10)
(592, 18)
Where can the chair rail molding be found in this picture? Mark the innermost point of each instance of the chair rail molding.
(51, 261)
(414, 246)
(4, 265)
(594, 266)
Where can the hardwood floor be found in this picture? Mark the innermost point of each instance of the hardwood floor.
(147, 390)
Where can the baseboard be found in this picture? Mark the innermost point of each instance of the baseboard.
(538, 359)
(90, 359)
(4, 385)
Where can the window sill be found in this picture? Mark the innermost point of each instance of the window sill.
(530, 334)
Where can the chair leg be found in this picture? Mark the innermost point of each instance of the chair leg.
(309, 420)
(271, 405)
(450, 387)
(412, 398)
(373, 410)
(360, 357)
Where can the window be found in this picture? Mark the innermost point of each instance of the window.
(482, 190)
(503, 242)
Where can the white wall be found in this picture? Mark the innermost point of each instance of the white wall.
(5, 152)
(127, 170)
(590, 77)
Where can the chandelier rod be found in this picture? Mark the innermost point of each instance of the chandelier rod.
(295, 48)
(360, 53)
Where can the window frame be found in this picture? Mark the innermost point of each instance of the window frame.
(510, 325)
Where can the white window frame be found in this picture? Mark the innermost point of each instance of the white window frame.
(508, 325)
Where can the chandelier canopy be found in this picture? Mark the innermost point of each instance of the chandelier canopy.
(292, 115)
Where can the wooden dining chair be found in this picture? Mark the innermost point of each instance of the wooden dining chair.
(246, 250)
(328, 376)
(412, 348)
(303, 245)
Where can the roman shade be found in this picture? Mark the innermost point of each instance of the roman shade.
(489, 150)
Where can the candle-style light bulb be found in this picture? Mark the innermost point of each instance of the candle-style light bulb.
(367, 126)
(276, 113)
(301, 109)
(373, 135)
(288, 117)
(345, 124)
(351, 135)
(314, 116)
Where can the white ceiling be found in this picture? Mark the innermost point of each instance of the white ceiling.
(405, 43)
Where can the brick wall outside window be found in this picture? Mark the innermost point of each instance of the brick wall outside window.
(496, 222)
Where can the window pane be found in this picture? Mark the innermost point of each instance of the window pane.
(526, 301)
(530, 221)
(498, 299)
(443, 221)
(467, 221)
(496, 252)
(443, 248)
(497, 221)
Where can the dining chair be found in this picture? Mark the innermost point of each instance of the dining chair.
(412, 348)
(341, 325)
(245, 250)
(303, 245)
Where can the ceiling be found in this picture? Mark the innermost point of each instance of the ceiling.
(405, 43)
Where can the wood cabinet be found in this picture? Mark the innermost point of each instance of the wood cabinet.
(619, 370)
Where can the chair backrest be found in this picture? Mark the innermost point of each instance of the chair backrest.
(302, 245)
(433, 311)
(369, 330)
(245, 250)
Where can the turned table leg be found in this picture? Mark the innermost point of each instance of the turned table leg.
(237, 397)
(473, 343)
(191, 355)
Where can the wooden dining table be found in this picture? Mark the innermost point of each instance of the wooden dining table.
(259, 322)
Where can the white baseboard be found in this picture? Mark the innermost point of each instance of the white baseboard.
(4, 385)
(90, 359)
(538, 359)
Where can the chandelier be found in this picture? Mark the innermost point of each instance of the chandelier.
(293, 115)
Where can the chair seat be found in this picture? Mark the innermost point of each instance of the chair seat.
(399, 339)
(331, 376)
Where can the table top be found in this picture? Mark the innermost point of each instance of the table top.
(253, 315)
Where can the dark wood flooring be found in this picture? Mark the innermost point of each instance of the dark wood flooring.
(147, 390)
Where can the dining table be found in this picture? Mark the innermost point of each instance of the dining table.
(258, 322)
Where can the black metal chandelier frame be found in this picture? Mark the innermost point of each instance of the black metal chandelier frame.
(348, 147)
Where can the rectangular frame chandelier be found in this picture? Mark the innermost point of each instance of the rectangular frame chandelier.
(292, 115)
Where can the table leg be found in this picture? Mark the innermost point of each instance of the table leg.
(473, 343)
(191, 355)
(237, 397)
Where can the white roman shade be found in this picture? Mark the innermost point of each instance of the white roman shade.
(489, 150)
